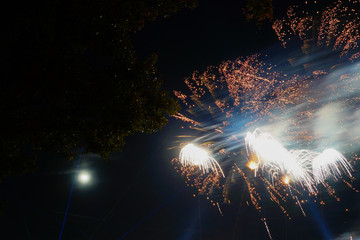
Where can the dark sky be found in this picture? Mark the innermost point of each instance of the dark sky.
(192, 40)
(137, 192)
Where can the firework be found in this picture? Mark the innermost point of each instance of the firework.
(338, 29)
(330, 163)
(275, 159)
(192, 155)
(301, 166)
(308, 101)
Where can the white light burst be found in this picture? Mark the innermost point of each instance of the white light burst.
(329, 164)
(275, 159)
(305, 167)
(192, 155)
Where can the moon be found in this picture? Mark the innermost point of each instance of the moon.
(84, 177)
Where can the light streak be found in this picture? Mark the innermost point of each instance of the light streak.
(271, 190)
(186, 119)
(267, 228)
(219, 209)
(71, 192)
(350, 186)
(331, 191)
(298, 202)
(254, 196)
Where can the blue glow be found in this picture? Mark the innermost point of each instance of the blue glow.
(320, 222)
(71, 192)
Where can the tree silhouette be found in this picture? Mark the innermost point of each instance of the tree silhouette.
(73, 79)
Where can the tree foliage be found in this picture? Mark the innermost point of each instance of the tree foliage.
(259, 10)
(73, 79)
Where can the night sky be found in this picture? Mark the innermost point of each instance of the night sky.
(137, 194)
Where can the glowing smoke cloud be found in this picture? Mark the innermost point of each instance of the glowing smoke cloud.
(192, 155)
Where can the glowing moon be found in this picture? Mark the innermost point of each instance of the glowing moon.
(84, 177)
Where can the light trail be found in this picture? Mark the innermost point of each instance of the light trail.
(267, 228)
(298, 202)
(219, 209)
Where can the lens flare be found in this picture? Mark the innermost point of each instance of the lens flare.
(286, 179)
(252, 165)
(191, 155)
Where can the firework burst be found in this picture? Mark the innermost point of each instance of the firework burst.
(278, 161)
(309, 104)
(303, 167)
(192, 155)
(330, 164)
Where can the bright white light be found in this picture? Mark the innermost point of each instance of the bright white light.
(84, 177)
(252, 165)
(275, 159)
(308, 168)
(192, 155)
(330, 163)
(286, 180)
